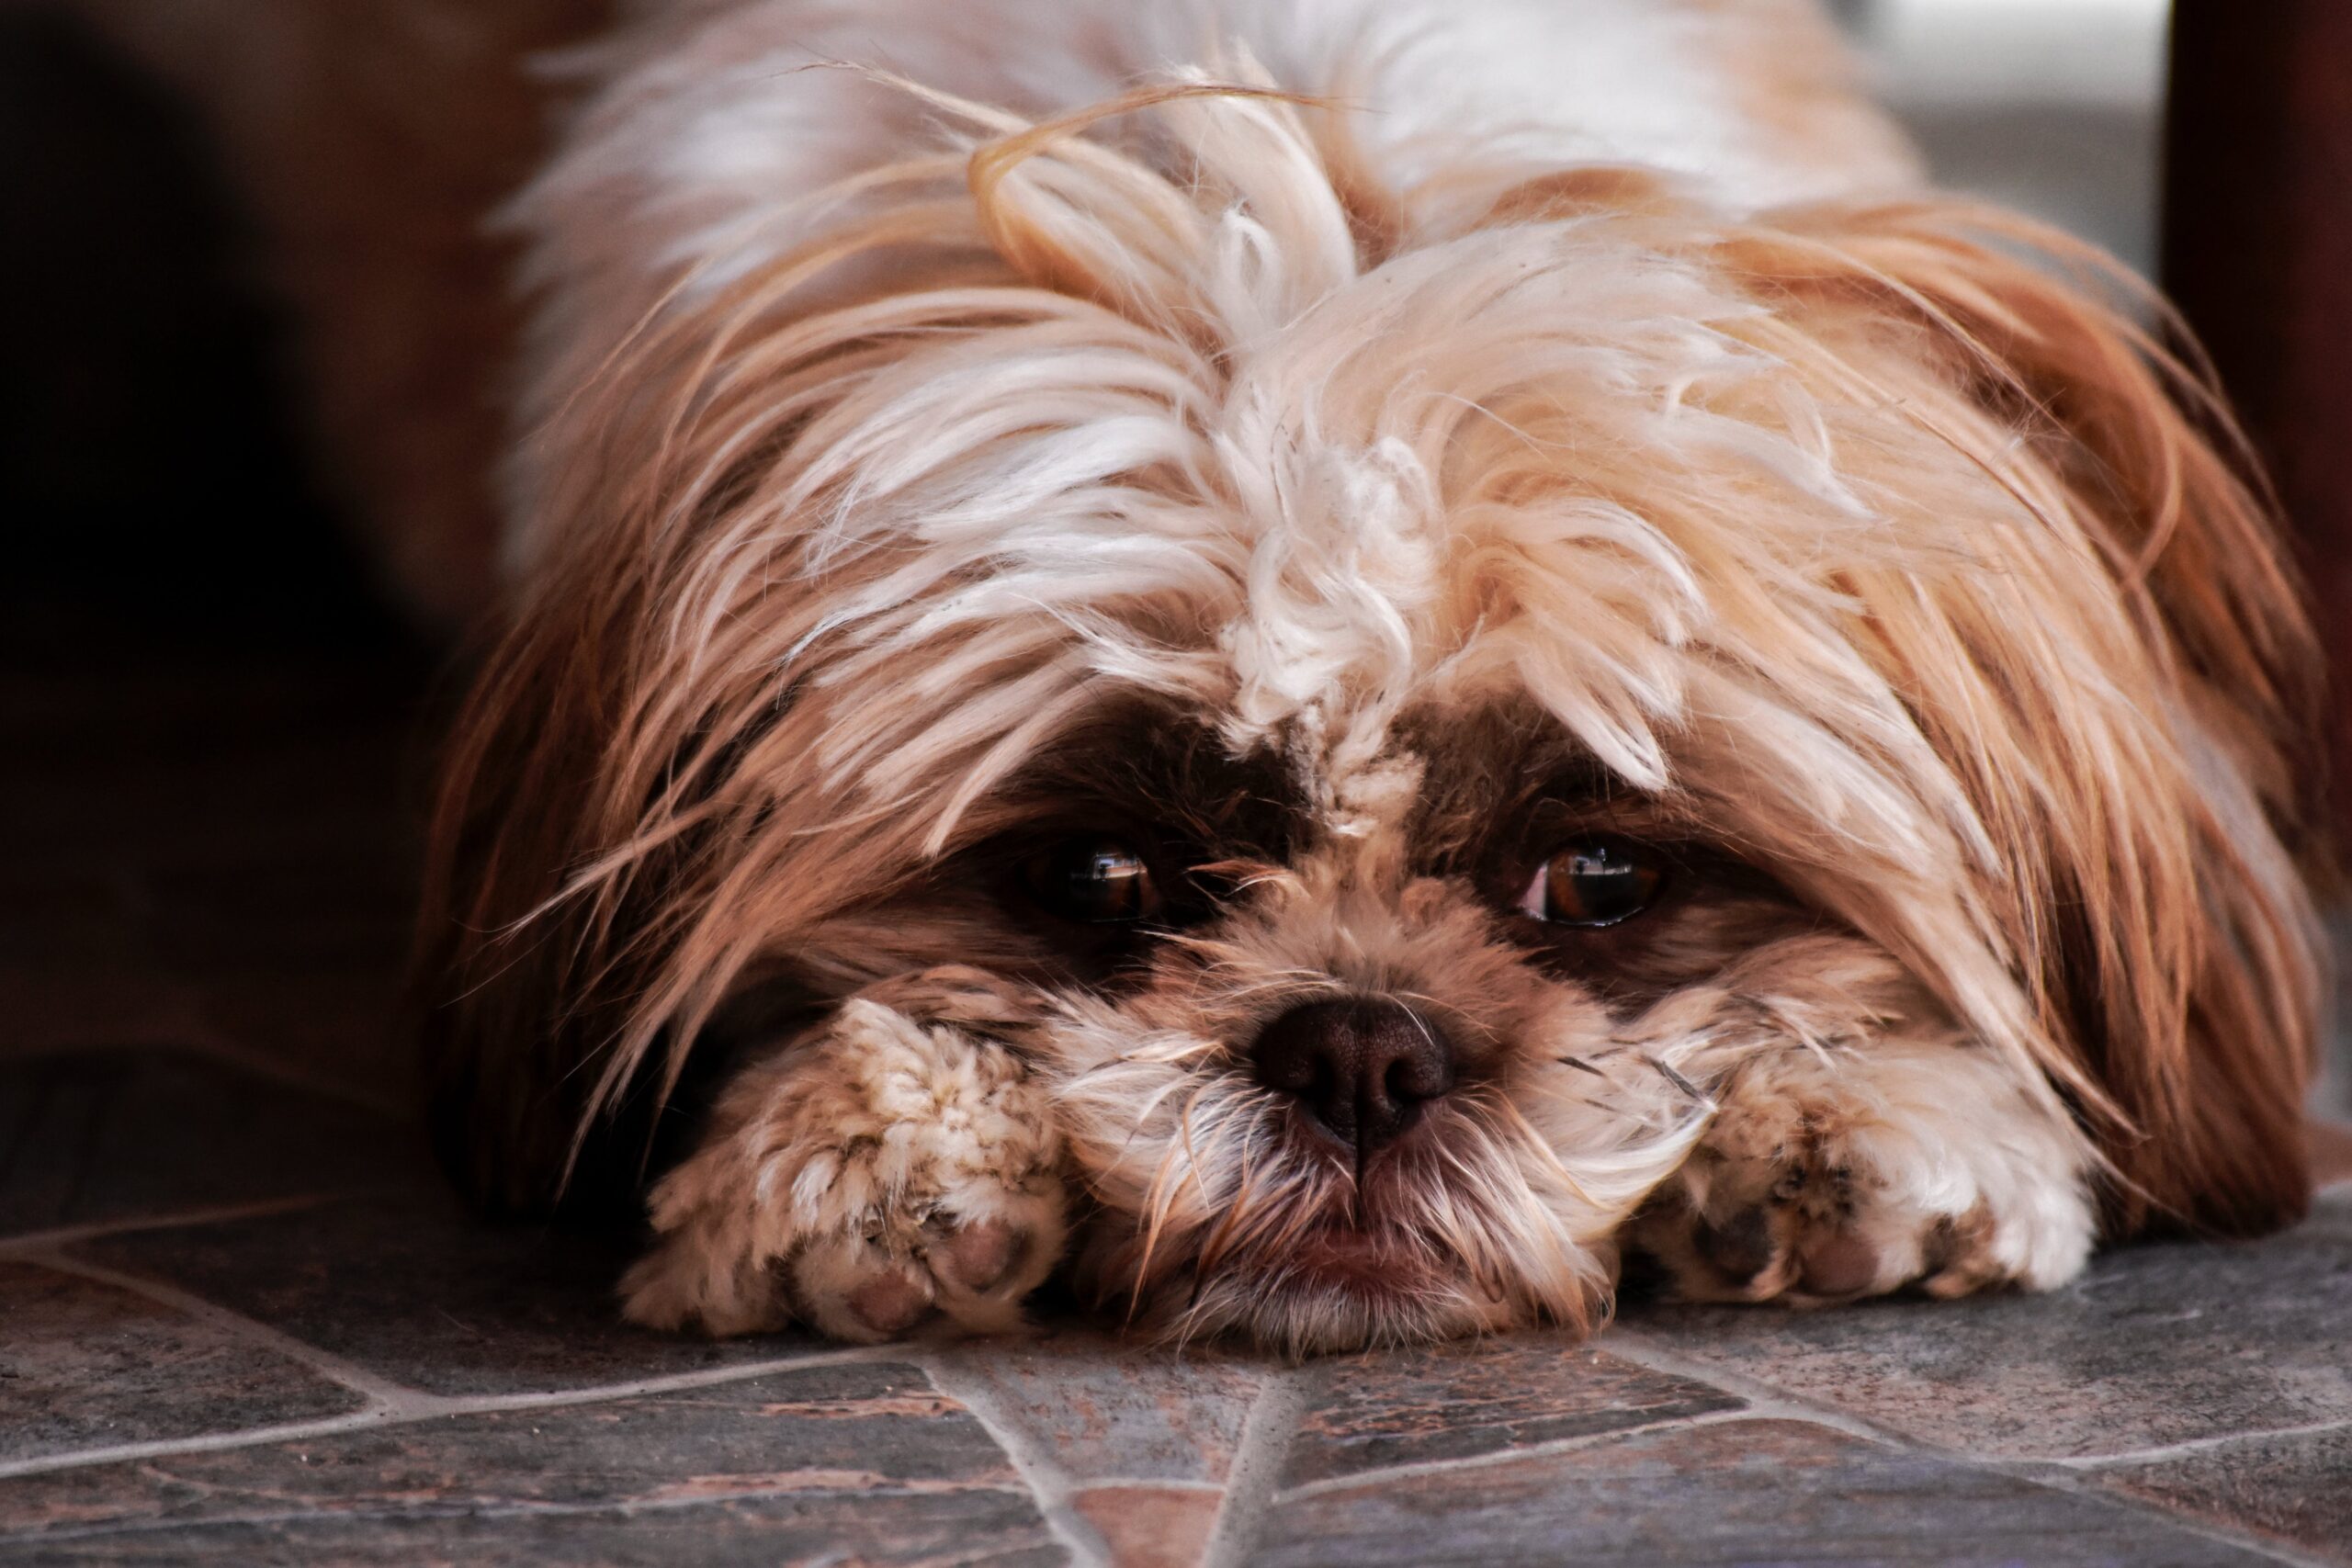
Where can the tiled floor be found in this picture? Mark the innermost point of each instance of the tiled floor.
(239, 1322)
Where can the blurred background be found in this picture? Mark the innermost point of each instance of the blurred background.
(2054, 107)
(214, 729)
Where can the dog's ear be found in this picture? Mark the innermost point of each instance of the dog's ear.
(2160, 826)
(513, 1007)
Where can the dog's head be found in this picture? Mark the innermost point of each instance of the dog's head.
(1399, 679)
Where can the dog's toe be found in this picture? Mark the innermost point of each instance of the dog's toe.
(1741, 1248)
(979, 1256)
(902, 1179)
(931, 1276)
(891, 1302)
(1837, 1264)
(1812, 1187)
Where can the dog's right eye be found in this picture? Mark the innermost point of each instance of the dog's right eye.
(1095, 881)
(1592, 883)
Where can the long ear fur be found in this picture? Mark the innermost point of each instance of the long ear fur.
(517, 983)
(623, 852)
(2160, 908)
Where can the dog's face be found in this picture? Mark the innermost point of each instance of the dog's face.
(1463, 725)
(1397, 678)
(1387, 1059)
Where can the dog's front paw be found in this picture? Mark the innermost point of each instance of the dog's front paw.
(891, 1176)
(1827, 1176)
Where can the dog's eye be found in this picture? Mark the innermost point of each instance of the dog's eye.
(1098, 881)
(1592, 882)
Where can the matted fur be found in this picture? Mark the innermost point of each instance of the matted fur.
(1864, 542)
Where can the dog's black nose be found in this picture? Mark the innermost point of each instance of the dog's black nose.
(1363, 1065)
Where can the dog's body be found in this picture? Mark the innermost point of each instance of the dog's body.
(1327, 656)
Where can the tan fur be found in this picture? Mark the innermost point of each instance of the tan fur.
(1899, 565)
(1365, 513)
(895, 1167)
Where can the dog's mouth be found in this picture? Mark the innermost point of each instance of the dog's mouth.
(1359, 1235)
(1249, 1217)
(1372, 1263)
(1358, 1232)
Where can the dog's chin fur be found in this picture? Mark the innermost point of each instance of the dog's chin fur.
(1356, 524)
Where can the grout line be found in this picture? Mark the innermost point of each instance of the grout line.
(251, 1437)
(1765, 1402)
(1266, 1435)
(1506, 1454)
(674, 1383)
(405, 1406)
(402, 1512)
(2056, 1475)
(389, 1395)
(2078, 1483)
(1050, 1486)
(42, 1241)
(1775, 1404)
(2191, 1446)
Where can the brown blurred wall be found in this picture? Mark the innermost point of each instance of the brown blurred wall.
(2257, 250)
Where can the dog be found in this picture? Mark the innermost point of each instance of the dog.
(1328, 666)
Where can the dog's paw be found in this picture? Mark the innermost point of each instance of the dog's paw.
(1825, 1177)
(889, 1177)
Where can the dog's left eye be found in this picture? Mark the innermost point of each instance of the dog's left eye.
(1592, 882)
(1096, 881)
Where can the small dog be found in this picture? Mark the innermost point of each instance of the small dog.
(1324, 661)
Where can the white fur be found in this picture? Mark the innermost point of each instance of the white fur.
(728, 131)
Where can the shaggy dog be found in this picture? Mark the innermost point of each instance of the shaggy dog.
(1323, 661)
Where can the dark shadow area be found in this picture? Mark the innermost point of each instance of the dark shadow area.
(210, 719)
(150, 468)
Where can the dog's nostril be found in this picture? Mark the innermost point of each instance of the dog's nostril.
(1361, 1065)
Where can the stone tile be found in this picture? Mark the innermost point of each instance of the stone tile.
(94, 1136)
(863, 1464)
(857, 1526)
(2297, 1487)
(1734, 1492)
(1481, 1397)
(1152, 1527)
(1106, 1410)
(2155, 1344)
(418, 1290)
(86, 1365)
